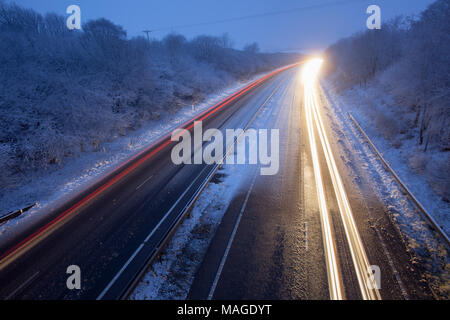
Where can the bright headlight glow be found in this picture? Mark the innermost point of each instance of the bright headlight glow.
(311, 70)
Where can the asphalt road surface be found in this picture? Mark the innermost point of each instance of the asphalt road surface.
(270, 244)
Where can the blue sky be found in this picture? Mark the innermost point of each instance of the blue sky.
(309, 29)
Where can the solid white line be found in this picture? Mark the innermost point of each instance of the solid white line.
(230, 241)
(146, 180)
(22, 285)
(119, 273)
(148, 237)
(174, 205)
(391, 264)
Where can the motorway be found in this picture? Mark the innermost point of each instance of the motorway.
(304, 233)
(112, 229)
(308, 232)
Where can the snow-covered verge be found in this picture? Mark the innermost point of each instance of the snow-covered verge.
(431, 253)
(425, 180)
(45, 188)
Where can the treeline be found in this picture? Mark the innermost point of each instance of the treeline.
(64, 92)
(411, 55)
(409, 59)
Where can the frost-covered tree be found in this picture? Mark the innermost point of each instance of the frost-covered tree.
(65, 92)
(410, 58)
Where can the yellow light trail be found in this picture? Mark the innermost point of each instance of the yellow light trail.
(359, 257)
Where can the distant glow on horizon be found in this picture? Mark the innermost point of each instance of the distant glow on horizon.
(311, 70)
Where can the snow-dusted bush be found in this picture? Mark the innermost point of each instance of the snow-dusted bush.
(386, 125)
(437, 169)
(64, 92)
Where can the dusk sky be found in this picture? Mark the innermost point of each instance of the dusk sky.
(303, 25)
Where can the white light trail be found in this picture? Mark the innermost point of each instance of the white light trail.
(334, 280)
(359, 257)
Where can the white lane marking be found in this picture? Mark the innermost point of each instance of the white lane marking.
(119, 273)
(175, 204)
(148, 237)
(146, 180)
(12, 294)
(360, 261)
(233, 234)
(334, 280)
(213, 171)
(230, 241)
(102, 294)
(391, 264)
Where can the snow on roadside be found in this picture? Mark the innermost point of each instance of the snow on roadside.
(48, 187)
(396, 156)
(432, 252)
(172, 275)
